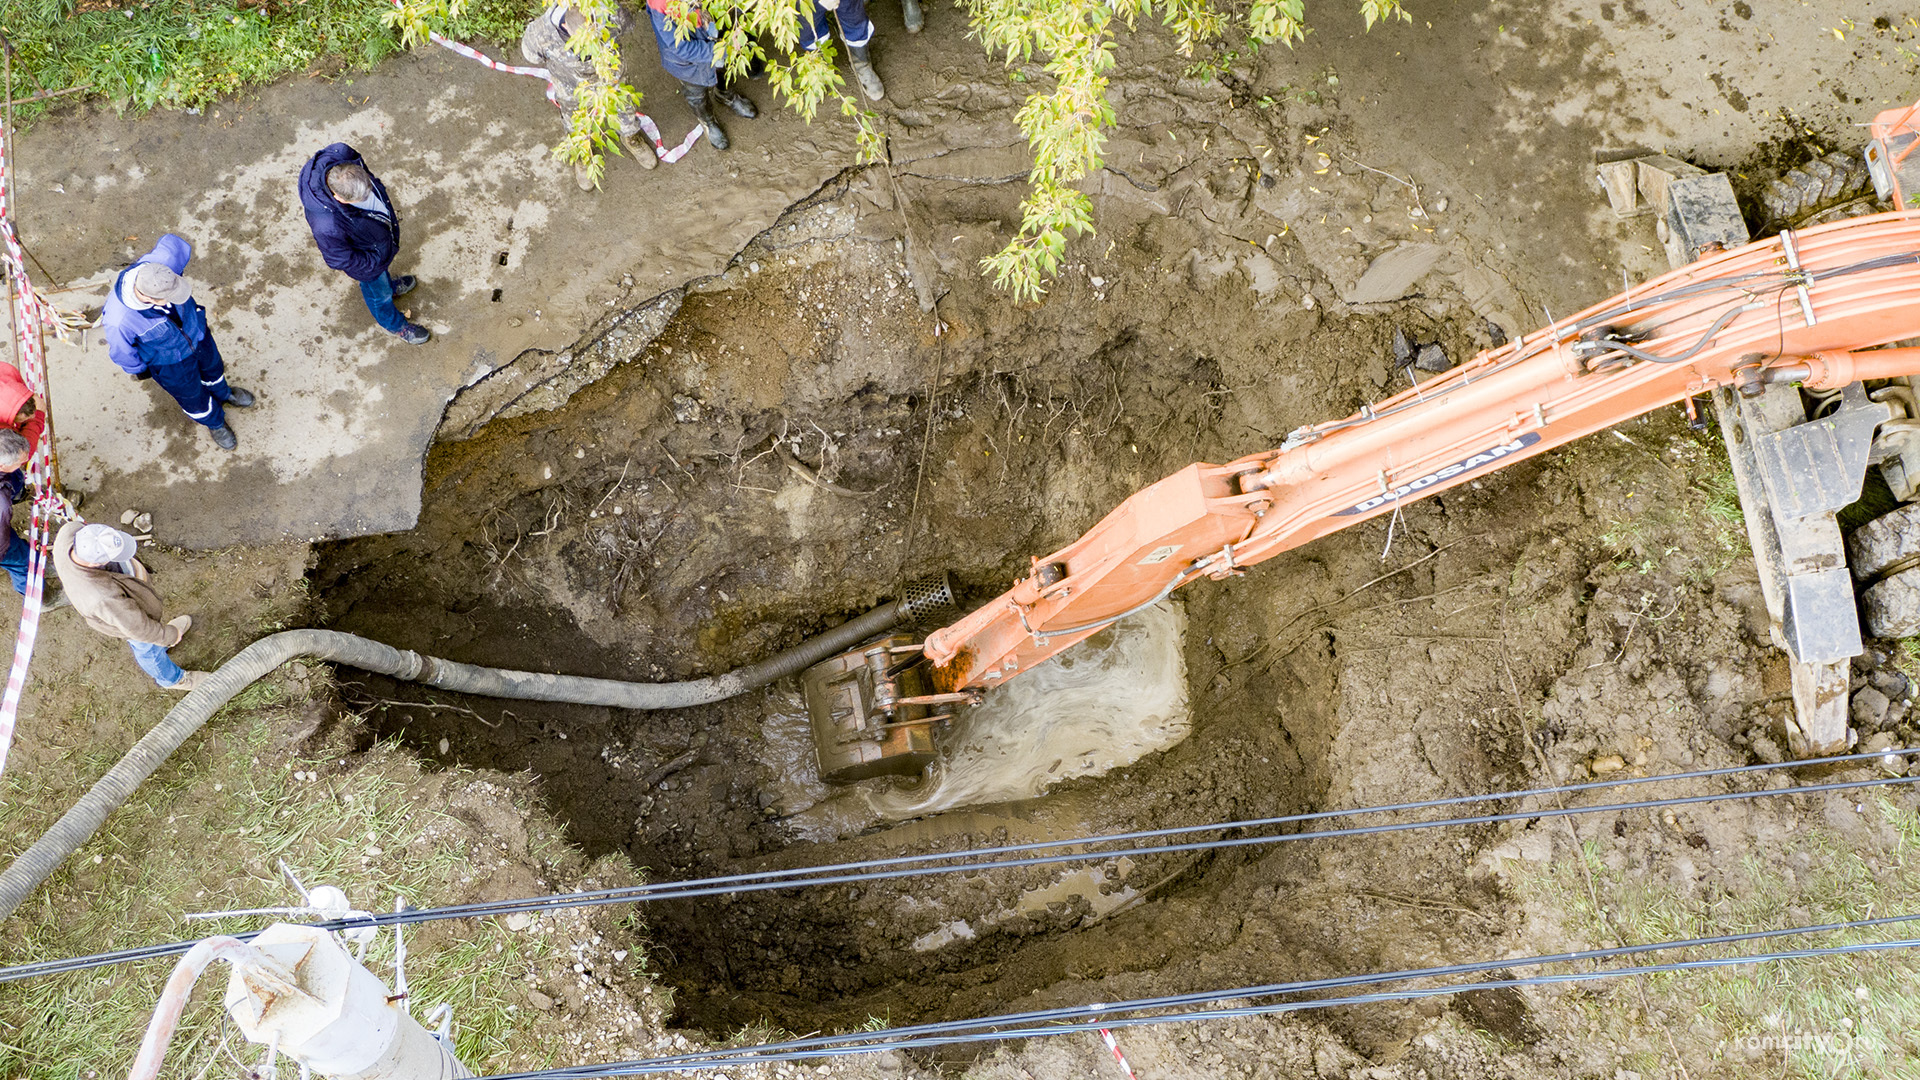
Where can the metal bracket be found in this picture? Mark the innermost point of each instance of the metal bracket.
(1800, 278)
(1792, 475)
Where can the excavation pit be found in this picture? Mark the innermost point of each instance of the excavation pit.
(772, 451)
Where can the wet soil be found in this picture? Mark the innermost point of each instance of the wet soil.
(649, 529)
(620, 506)
(721, 471)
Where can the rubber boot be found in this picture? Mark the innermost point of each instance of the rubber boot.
(869, 79)
(741, 105)
(697, 101)
(910, 11)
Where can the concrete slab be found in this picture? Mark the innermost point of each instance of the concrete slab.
(511, 257)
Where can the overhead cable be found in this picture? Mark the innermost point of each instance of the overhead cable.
(841, 1043)
(876, 1042)
(909, 865)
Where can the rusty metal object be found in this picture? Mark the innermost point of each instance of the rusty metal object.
(873, 710)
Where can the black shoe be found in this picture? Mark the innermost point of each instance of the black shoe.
(414, 334)
(741, 105)
(223, 437)
(238, 398)
(404, 284)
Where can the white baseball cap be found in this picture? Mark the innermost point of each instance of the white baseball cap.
(102, 544)
(162, 284)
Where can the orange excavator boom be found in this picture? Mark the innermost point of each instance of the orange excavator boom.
(1811, 307)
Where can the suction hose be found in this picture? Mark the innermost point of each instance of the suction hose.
(926, 603)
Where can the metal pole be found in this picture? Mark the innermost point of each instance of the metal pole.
(6, 196)
(341, 1020)
(166, 1015)
(44, 94)
(15, 312)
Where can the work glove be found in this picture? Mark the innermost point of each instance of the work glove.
(830, 5)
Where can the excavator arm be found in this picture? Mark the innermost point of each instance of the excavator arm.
(1803, 308)
(1812, 308)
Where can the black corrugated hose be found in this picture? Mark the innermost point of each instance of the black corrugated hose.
(926, 603)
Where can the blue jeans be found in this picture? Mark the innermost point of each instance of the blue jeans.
(153, 660)
(15, 560)
(198, 383)
(378, 294)
(818, 24)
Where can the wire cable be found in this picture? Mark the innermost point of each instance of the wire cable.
(874, 1042)
(902, 866)
(1100, 1009)
(704, 887)
(1595, 351)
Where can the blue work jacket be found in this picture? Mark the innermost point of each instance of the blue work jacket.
(140, 338)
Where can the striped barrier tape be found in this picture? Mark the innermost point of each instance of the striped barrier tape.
(652, 130)
(1107, 1037)
(31, 315)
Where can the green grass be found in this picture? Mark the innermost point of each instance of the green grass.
(1697, 521)
(206, 834)
(1868, 1000)
(188, 53)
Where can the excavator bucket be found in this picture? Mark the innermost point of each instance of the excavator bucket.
(859, 731)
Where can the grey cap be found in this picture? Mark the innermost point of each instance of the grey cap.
(161, 283)
(98, 545)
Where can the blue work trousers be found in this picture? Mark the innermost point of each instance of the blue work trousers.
(15, 560)
(854, 25)
(153, 660)
(198, 382)
(692, 60)
(378, 294)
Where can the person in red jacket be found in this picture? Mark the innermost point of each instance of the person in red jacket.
(20, 408)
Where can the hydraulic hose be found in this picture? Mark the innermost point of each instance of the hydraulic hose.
(923, 602)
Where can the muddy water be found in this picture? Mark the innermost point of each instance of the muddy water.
(811, 810)
(1117, 697)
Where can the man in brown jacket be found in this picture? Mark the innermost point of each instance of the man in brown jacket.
(109, 588)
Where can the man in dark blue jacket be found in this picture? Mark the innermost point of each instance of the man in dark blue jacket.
(358, 232)
(156, 330)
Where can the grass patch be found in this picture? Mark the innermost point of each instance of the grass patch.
(188, 53)
(1864, 1005)
(1697, 520)
(206, 834)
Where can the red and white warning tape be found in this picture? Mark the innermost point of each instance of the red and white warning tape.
(30, 314)
(652, 130)
(1107, 1037)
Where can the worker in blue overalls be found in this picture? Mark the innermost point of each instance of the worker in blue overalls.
(156, 330)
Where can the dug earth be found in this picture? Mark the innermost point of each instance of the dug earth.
(719, 468)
